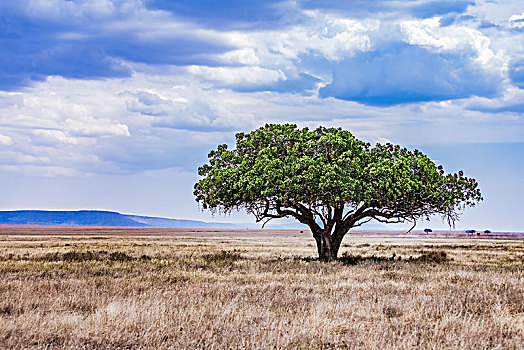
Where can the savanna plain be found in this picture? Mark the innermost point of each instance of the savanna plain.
(87, 288)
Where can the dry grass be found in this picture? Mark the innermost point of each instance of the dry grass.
(246, 291)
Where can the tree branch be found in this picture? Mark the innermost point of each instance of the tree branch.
(362, 223)
(305, 216)
(412, 227)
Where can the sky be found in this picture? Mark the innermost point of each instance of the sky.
(113, 104)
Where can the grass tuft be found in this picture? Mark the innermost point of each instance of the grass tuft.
(222, 258)
(435, 256)
(348, 259)
(81, 256)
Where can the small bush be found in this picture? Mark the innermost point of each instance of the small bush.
(438, 256)
(222, 258)
(81, 256)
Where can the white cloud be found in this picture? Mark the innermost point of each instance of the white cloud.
(326, 35)
(244, 56)
(237, 75)
(5, 140)
(453, 38)
(51, 138)
(517, 21)
(192, 106)
(89, 126)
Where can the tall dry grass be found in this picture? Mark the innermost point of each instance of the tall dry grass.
(244, 292)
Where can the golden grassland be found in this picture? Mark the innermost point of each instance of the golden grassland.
(183, 289)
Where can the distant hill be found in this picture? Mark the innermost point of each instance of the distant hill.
(111, 218)
(102, 218)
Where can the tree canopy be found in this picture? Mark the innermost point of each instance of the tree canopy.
(329, 180)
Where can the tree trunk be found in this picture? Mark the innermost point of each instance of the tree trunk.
(328, 245)
(327, 251)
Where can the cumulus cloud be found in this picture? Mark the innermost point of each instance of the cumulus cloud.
(516, 73)
(49, 128)
(51, 138)
(187, 107)
(404, 73)
(421, 62)
(365, 61)
(510, 102)
(243, 56)
(325, 35)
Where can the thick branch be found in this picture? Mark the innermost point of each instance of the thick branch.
(306, 214)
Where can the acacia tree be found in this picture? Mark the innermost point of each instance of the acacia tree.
(330, 181)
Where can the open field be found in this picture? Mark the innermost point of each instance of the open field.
(66, 287)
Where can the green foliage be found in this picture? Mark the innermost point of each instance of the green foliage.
(329, 180)
(282, 162)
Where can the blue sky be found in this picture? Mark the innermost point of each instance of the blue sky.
(112, 104)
